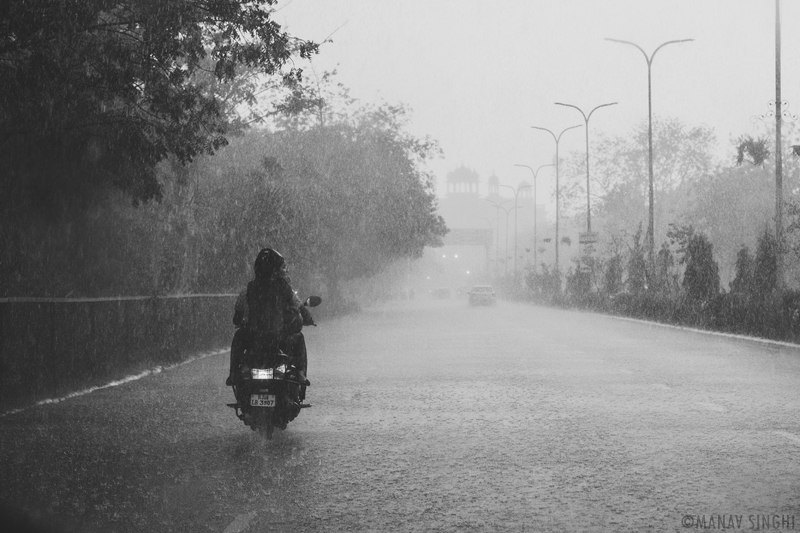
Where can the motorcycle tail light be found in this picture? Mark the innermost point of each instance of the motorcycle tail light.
(261, 373)
(268, 373)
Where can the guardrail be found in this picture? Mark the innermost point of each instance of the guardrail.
(49, 347)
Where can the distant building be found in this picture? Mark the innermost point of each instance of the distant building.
(480, 246)
(462, 181)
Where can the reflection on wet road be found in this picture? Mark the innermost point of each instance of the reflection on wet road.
(435, 416)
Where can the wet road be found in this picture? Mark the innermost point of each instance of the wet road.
(434, 416)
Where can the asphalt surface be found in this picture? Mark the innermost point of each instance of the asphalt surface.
(435, 416)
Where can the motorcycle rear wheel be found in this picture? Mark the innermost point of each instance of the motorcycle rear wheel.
(267, 431)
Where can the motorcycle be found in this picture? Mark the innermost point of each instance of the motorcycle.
(270, 392)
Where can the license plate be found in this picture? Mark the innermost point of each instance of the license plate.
(262, 400)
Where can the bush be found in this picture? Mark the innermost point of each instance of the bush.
(544, 286)
(701, 277)
(765, 269)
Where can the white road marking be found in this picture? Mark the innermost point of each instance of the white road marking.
(790, 436)
(240, 523)
(156, 370)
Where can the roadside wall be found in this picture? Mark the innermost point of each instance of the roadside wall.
(49, 347)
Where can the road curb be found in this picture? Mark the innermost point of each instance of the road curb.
(737, 336)
(115, 383)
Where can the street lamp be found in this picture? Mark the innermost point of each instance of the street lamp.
(649, 59)
(516, 197)
(558, 193)
(586, 120)
(535, 173)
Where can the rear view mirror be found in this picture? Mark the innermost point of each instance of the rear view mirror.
(313, 301)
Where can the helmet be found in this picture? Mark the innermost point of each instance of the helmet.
(267, 262)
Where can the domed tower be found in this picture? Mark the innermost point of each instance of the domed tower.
(494, 185)
(462, 180)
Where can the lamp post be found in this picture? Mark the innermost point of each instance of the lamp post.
(556, 138)
(516, 197)
(779, 267)
(535, 242)
(649, 59)
(586, 120)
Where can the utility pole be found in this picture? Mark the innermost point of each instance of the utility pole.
(778, 155)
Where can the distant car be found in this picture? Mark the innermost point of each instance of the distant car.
(482, 295)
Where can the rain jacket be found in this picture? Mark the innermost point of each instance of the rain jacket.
(265, 306)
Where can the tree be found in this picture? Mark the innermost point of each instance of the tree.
(546, 284)
(578, 282)
(612, 275)
(367, 199)
(665, 261)
(765, 278)
(683, 158)
(730, 207)
(637, 268)
(701, 272)
(341, 200)
(701, 276)
(745, 266)
(756, 150)
(97, 93)
(244, 203)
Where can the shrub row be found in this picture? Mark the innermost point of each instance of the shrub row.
(771, 317)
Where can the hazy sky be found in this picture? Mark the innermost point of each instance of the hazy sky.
(478, 74)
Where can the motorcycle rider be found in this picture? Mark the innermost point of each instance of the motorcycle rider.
(269, 315)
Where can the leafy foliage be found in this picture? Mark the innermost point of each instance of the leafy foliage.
(765, 278)
(340, 201)
(731, 206)
(680, 235)
(637, 268)
(368, 203)
(619, 172)
(756, 149)
(578, 282)
(701, 277)
(745, 267)
(701, 273)
(545, 284)
(612, 275)
(97, 93)
(664, 279)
